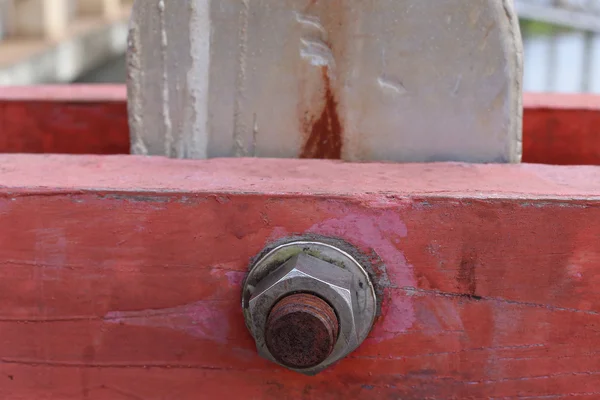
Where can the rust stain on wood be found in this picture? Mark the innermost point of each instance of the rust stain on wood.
(467, 273)
(325, 133)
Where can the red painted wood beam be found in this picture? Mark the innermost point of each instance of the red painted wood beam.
(120, 276)
(69, 119)
(92, 119)
(561, 129)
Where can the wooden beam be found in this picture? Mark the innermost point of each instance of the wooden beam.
(561, 129)
(557, 128)
(120, 276)
(71, 119)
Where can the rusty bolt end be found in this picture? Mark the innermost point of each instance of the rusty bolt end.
(301, 331)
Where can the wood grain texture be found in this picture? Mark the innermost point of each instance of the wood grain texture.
(120, 277)
(69, 119)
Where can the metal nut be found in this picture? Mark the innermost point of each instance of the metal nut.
(301, 331)
(308, 305)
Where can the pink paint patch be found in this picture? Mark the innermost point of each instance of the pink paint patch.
(399, 316)
(382, 231)
(200, 319)
(583, 261)
(235, 278)
(574, 271)
(277, 233)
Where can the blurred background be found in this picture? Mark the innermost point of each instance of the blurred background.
(84, 41)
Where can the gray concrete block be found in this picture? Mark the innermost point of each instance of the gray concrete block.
(390, 80)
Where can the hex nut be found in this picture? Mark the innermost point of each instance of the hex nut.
(323, 284)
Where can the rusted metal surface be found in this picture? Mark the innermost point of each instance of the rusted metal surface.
(301, 330)
(323, 270)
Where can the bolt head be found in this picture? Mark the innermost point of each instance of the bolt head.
(305, 274)
(301, 331)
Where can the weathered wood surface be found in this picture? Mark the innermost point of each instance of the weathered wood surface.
(71, 119)
(120, 277)
(396, 80)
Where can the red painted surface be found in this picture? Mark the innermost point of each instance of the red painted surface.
(561, 129)
(120, 277)
(64, 119)
(557, 129)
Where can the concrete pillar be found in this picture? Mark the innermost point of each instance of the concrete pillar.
(393, 80)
